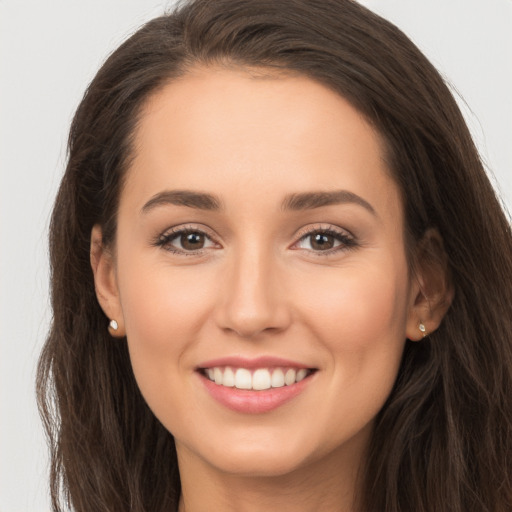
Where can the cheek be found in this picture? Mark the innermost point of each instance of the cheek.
(163, 310)
(161, 305)
(359, 317)
(358, 306)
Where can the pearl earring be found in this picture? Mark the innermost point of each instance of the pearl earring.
(423, 329)
(113, 325)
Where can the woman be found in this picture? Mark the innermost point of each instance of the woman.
(281, 279)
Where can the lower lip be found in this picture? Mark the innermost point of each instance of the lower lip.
(254, 402)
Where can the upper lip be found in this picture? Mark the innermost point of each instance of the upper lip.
(258, 362)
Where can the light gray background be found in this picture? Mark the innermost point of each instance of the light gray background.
(49, 51)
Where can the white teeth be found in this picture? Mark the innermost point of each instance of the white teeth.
(217, 375)
(289, 377)
(301, 374)
(243, 379)
(277, 378)
(229, 378)
(259, 379)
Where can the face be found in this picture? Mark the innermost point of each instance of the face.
(260, 274)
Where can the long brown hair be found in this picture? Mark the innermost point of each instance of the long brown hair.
(443, 440)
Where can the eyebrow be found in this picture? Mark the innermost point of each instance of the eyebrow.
(197, 200)
(311, 200)
(294, 202)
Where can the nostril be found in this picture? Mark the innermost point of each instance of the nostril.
(252, 304)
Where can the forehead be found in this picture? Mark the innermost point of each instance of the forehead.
(215, 128)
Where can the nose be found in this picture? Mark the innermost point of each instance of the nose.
(252, 297)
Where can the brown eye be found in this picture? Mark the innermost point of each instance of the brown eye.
(326, 241)
(322, 241)
(192, 241)
(185, 241)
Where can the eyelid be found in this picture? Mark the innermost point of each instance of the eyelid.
(173, 232)
(347, 239)
(313, 228)
(196, 228)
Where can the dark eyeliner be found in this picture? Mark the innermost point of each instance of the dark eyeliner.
(347, 241)
(164, 240)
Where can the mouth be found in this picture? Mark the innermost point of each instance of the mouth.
(255, 385)
(256, 379)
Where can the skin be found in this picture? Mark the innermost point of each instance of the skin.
(259, 286)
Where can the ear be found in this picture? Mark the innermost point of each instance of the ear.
(432, 289)
(105, 283)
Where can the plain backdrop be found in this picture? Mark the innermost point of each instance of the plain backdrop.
(49, 51)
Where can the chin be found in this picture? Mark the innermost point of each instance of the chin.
(260, 458)
(262, 465)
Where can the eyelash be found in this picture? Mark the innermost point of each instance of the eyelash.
(164, 240)
(347, 241)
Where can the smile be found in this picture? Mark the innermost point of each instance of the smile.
(257, 379)
(255, 385)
